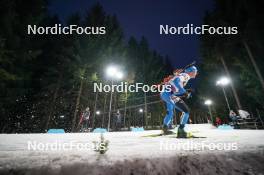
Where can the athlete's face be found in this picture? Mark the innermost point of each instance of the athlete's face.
(192, 74)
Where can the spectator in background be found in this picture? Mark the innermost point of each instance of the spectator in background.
(233, 116)
(84, 120)
(218, 121)
(118, 121)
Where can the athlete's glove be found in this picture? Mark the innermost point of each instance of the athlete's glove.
(176, 99)
(189, 90)
(187, 95)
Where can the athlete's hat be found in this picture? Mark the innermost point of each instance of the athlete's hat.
(191, 69)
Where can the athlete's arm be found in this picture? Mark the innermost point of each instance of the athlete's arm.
(178, 83)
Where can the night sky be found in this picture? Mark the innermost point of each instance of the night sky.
(143, 17)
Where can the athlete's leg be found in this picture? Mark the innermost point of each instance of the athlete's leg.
(169, 115)
(165, 96)
(182, 107)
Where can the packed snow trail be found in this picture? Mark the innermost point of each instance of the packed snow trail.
(221, 152)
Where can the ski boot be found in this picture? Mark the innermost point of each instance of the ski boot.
(166, 131)
(181, 133)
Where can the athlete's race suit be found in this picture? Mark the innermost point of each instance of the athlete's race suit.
(172, 100)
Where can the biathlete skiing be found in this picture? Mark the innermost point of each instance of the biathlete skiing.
(173, 97)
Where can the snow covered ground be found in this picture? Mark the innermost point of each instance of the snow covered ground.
(221, 152)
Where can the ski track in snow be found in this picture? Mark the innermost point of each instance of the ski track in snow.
(131, 153)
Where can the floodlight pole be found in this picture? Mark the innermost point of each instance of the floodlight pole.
(210, 112)
(227, 102)
(209, 103)
(110, 106)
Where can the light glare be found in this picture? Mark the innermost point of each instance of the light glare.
(119, 75)
(208, 102)
(223, 81)
(111, 71)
